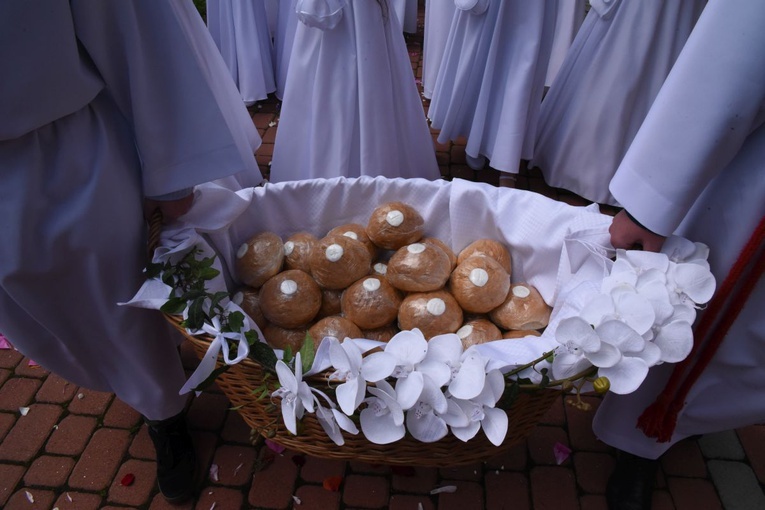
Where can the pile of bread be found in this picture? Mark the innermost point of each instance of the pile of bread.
(373, 280)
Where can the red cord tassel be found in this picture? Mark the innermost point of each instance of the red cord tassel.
(660, 418)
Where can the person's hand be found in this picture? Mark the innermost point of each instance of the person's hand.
(170, 209)
(629, 235)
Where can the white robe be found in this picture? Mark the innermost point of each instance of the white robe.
(438, 20)
(604, 88)
(491, 80)
(284, 37)
(406, 12)
(240, 30)
(351, 106)
(697, 167)
(567, 22)
(96, 133)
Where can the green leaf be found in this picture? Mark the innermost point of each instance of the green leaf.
(174, 305)
(307, 353)
(235, 321)
(252, 337)
(208, 273)
(211, 378)
(288, 356)
(216, 299)
(194, 294)
(263, 354)
(197, 316)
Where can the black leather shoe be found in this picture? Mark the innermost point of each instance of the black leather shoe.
(175, 457)
(630, 486)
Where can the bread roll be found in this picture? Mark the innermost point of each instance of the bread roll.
(357, 232)
(338, 261)
(382, 334)
(297, 251)
(478, 331)
(335, 326)
(445, 247)
(523, 308)
(249, 301)
(281, 338)
(371, 302)
(330, 303)
(479, 284)
(433, 313)
(290, 299)
(418, 267)
(259, 259)
(518, 333)
(394, 225)
(492, 249)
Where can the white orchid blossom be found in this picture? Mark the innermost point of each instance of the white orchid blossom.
(332, 420)
(399, 359)
(422, 420)
(295, 393)
(382, 421)
(681, 250)
(622, 303)
(445, 362)
(346, 359)
(690, 283)
(481, 412)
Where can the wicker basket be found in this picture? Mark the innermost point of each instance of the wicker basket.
(238, 382)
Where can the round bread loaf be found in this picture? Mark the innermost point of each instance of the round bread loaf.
(330, 303)
(492, 249)
(479, 284)
(382, 334)
(338, 261)
(371, 302)
(446, 249)
(297, 251)
(518, 333)
(282, 338)
(478, 331)
(259, 259)
(433, 313)
(394, 225)
(418, 267)
(523, 308)
(357, 232)
(249, 301)
(291, 299)
(335, 326)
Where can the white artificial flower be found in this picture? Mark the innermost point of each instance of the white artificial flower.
(481, 412)
(295, 393)
(422, 418)
(463, 372)
(635, 267)
(581, 347)
(399, 359)
(621, 303)
(382, 421)
(681, 250)
(332, 420)
(346, 359)
(690, 283)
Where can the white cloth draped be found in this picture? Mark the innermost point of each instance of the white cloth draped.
(351, 105)
(406, 12)
(240, 30)
(604, 88)
(570, 17)
(491, 80)
(701, 149)
(71, 189)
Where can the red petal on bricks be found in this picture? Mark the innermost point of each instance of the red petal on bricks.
(332, 483)
(127, 480)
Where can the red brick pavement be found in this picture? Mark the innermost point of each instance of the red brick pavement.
(72, 448)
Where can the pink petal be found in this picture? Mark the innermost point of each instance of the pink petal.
(4, 344)
(561, 452)
(274, 447)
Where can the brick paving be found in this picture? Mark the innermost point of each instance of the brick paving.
(73, 446)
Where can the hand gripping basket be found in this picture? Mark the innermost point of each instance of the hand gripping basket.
(458, 212)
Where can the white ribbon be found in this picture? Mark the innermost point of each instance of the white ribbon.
(207, 363)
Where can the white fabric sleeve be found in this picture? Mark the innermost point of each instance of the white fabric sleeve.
(151, 68)
(709, 104)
